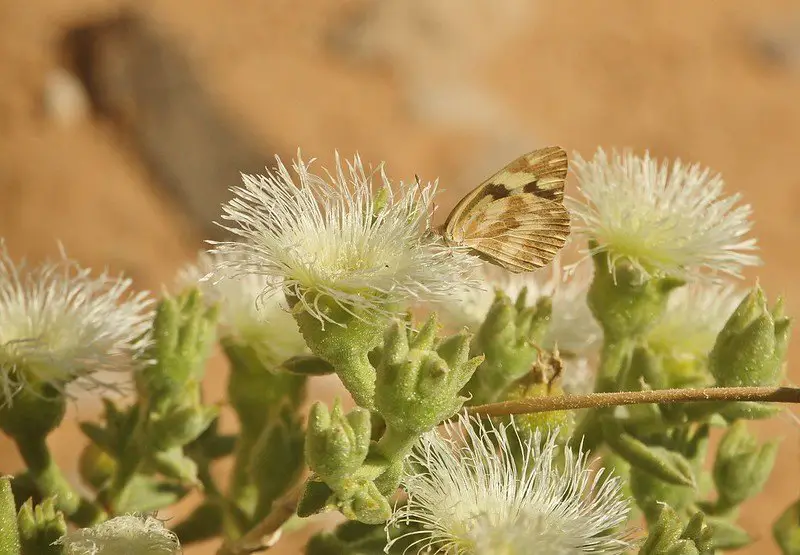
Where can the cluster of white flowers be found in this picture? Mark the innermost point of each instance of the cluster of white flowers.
(468, 495)
(58, 324)
(334, 239)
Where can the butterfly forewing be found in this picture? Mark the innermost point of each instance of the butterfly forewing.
(516, 219)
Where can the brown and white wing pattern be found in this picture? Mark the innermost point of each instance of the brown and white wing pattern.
(516, 219)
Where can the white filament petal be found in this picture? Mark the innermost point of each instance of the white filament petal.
(468, 495)
(662, 219)
(333, 237)
(59, 324)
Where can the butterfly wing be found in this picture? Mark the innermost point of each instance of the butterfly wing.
(516, 218)
(520, 233)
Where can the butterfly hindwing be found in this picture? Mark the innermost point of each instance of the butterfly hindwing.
(516, 219)
(529, 233)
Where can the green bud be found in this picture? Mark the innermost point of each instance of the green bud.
(33, 414)
(786, 530)
(362, 501)
(751, 348)
(668, 536)
(651, 494)
(508, 339)
(669, 466)
(417, 387)
(742, 465)
(624, 301)
(336, 445)
(9, 535)
(183, 333)
(40, 527)
(699, 532)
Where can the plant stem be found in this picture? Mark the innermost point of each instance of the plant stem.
(52, 483)
(615, 360)
(614, 364)
(395, 444)
(267, 532)
(660, 396)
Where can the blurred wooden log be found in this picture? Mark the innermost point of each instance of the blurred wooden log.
(141, 81)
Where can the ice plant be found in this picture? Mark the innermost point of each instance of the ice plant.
(59, 323)
(661, 218)
(467, 494)
(244, 315)
(128, 534)
(332, 239)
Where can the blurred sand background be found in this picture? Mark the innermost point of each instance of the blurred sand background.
(442, 88)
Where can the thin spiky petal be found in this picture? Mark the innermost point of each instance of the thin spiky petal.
(332, 237)
(468, 495)
(59, 324)
(662, 218)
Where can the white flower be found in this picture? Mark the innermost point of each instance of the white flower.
(58, 324)
(332, 238)
(244, 316)
(572, 328)
(123, 535)
(663, 220)
(695, 315)
(468, 495)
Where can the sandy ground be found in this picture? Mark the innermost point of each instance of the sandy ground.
(432, 88)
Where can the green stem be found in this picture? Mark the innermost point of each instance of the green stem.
(396, 444)
(242, 491)
(345, 346)
(52, 483)
(789, 395)
(615, 361)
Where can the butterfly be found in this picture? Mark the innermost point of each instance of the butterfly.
(516, 219)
